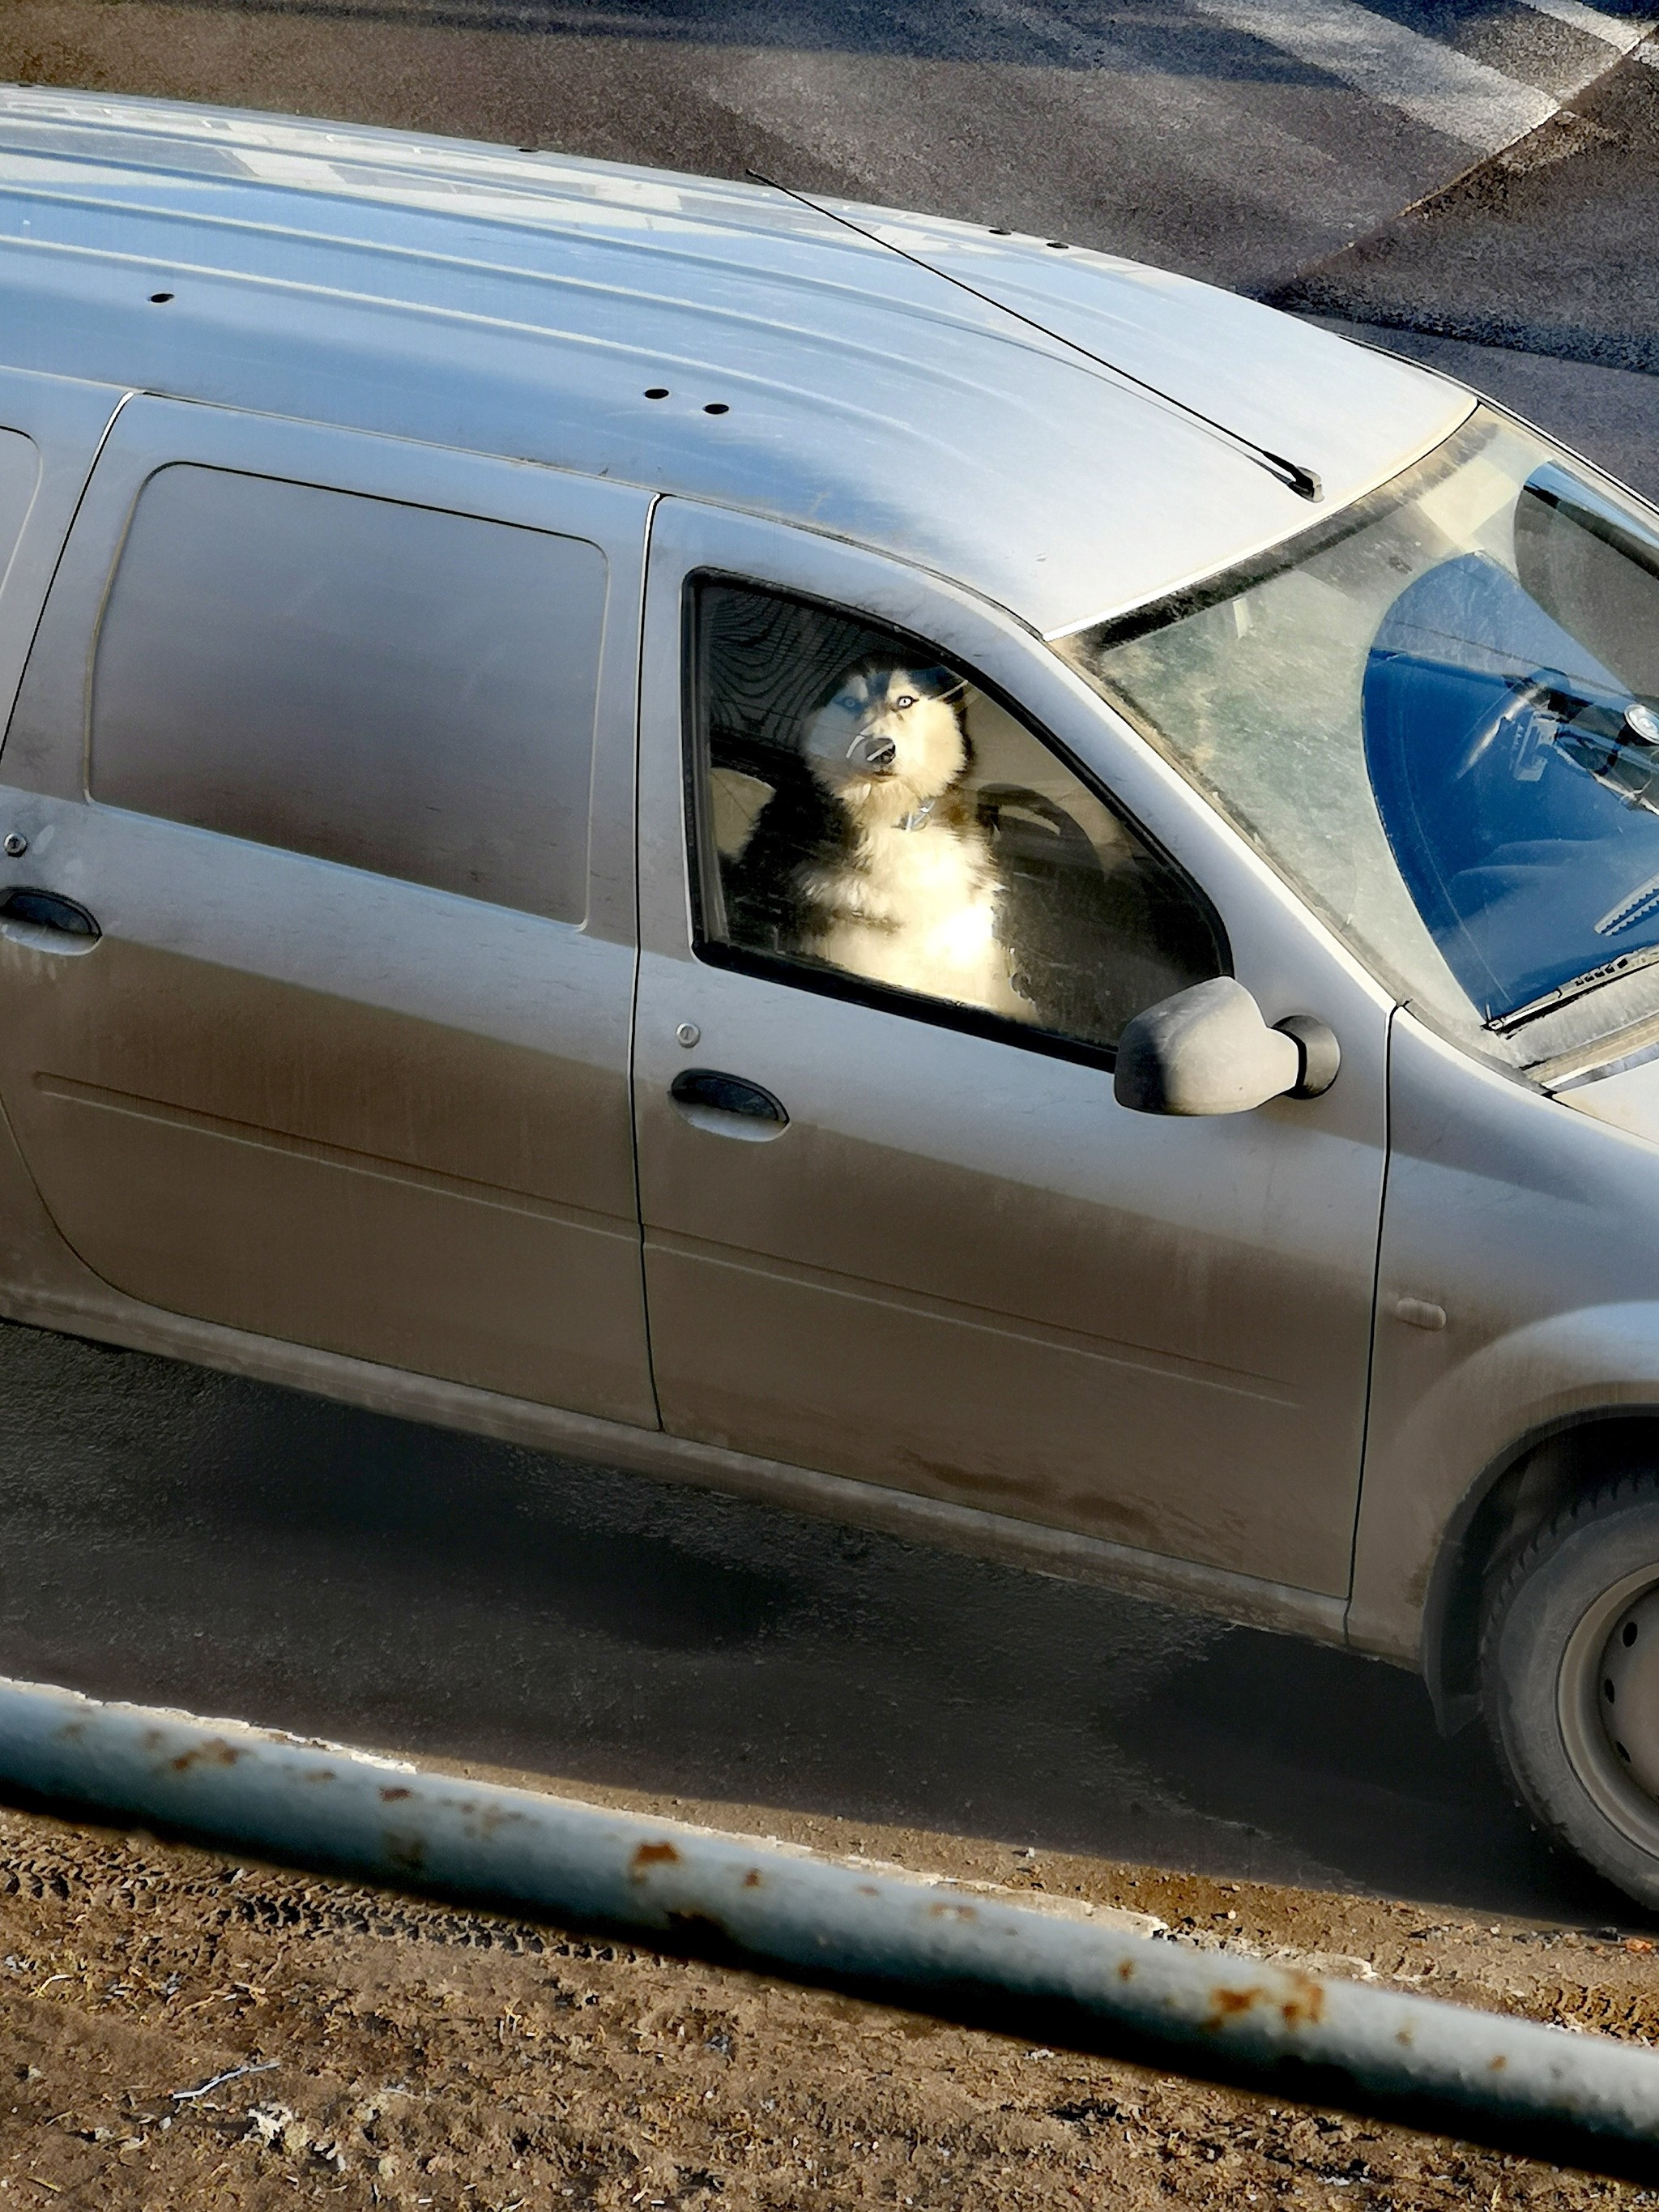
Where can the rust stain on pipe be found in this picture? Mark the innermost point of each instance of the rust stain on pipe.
(215, 1752)
(663, 1854)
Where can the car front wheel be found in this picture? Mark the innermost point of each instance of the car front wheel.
(1570, 1680)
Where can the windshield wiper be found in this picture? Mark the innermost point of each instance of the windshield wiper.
(1592, 979)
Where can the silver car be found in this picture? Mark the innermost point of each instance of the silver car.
(908, 871)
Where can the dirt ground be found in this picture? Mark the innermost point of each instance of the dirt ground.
(183, 2027)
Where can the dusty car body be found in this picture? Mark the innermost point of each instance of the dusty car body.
(384, 524)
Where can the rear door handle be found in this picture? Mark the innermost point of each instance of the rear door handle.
(46, 921)
(727, 1105)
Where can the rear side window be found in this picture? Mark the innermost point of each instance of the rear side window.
(396, 688)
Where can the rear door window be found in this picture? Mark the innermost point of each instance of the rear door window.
(390, 686)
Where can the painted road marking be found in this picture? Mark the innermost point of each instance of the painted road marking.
(1621, 33)
(1450, 92)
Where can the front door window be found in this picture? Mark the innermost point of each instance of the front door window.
(874, 821)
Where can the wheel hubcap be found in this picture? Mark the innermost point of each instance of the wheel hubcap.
(1627, 1692)
(1607, 1705)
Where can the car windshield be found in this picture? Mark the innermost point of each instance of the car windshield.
(1437, 716)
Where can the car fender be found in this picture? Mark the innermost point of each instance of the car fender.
(1516, 1303)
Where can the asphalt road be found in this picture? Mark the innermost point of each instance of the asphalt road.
(176, 1537)
(1242, 140)
(1550, 250)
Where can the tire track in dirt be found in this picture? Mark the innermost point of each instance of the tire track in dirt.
(184, 2029)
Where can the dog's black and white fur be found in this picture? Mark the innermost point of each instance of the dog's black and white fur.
(871, 856)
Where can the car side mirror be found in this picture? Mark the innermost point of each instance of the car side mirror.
(1207, 1050)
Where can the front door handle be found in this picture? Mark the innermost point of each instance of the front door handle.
(47, 921)
(727, 1105)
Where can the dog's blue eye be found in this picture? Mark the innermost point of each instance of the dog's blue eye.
(908, 700)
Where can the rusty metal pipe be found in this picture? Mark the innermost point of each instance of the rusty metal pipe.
(1584, 2100)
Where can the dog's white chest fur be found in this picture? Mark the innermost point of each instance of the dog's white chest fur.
(917, 910)
(913, 906)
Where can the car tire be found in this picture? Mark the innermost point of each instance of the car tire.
(1570, 1680)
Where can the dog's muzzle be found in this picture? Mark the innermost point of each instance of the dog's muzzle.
(873, 752)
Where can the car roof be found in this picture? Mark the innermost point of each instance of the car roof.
(524, 304)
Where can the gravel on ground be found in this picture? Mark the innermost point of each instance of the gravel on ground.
(180, 2027)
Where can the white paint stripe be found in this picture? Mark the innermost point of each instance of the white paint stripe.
(1621, 33)
(1434, 84)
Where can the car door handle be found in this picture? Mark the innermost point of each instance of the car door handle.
(727, 1105)
(46, 921)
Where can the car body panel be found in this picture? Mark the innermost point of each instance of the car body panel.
(468, 295)
(64, 420)
(1532, 1230)
(962, 1269)
(302, 1099)
(1626, 1097)
(46, 1287)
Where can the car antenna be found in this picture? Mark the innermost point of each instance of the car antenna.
(1303, 482)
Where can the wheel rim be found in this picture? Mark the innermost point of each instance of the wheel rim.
(1608, 1705)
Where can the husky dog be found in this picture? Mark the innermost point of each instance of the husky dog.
(874, 859)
